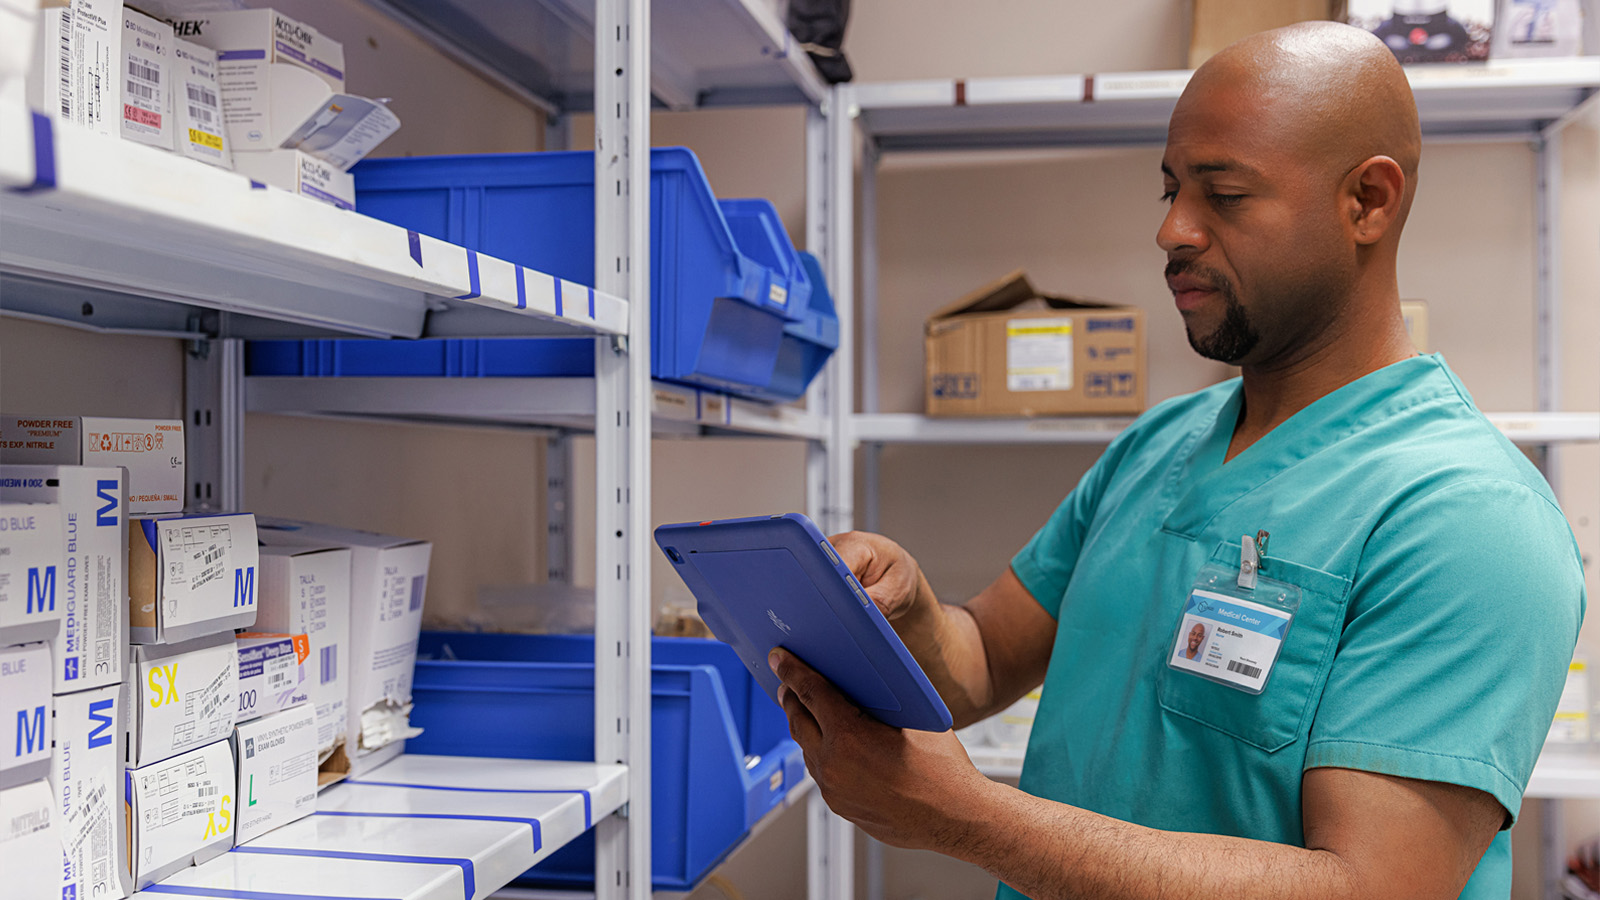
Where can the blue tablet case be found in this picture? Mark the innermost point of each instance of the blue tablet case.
(776, 582)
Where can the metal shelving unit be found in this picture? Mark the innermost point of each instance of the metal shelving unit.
(1531, 99)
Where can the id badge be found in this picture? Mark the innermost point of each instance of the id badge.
(1231, 634)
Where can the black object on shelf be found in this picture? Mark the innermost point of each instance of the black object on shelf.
(819, 27)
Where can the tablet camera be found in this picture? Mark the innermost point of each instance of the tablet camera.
(674, 555)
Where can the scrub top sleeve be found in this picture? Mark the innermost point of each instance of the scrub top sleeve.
(1045, 564)
(1461, 623)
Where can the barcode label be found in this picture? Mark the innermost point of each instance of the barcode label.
(416, 591)
(138, 70)
(330, 663)
(142, 91)
(208, 791)
(200, 114)
(198, 94)
(1247, 671)
(66, 63)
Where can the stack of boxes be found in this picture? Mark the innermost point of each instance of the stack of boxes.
(122, 675)
(246, 89)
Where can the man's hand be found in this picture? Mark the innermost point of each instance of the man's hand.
(912, 789)
(889, 574)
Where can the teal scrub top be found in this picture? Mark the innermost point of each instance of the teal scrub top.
(1441, 595)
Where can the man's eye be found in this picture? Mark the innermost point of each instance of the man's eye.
(1228, 200)
(1169, 196)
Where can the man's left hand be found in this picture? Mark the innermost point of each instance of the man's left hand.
(914, 789)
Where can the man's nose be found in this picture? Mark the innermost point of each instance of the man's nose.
(1181, 233)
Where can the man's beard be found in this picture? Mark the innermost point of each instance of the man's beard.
(1235, 337)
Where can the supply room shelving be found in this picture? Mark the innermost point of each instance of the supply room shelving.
(116, 238)
(1532, 100)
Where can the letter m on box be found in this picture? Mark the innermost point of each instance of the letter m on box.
(30, 732)
(244, 586)
(41, 590)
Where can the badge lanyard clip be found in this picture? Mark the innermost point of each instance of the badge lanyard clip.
(1251, 549)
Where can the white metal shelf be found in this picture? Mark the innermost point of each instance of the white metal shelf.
(417, 828)
(912, 428)
(1511, 98)
(567, 403)
(111, 235)
(1555, 777)
(703, 52)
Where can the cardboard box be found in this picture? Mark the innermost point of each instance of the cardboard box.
(31, 570)
(273, 673)
(1415, 313)
(92, 589)
(180, 812)
(1538, 28)
(95, 100)
(197, 105)
(274, 71)
(30, 840)
(299, 173)
(277, 762)
(1218, 23)
(26, 713)
(1007, 349)
(1447, 31)
(306, 590)
(181, 696)
(49, 83)
(147, 79)
(86, 777)
(151, 450)
(190, 576)
(388, 579)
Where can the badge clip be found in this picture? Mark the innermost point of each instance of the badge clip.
(1249, 562)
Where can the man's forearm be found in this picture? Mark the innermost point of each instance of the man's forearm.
(1051, 851)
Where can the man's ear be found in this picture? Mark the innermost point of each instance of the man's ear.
(1374, 195)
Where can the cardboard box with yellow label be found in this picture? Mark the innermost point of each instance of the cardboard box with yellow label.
(1008, 349)
(180, 812)
(181, 696)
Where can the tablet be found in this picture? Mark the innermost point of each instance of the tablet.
(775, 581)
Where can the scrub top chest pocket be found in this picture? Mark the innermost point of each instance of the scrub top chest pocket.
(1252, 668)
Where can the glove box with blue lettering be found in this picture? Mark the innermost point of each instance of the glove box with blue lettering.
(190, 576)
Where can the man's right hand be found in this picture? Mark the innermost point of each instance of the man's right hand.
(890, 575)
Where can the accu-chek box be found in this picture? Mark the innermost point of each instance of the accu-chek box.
(180, 696)
(190, 576)
(30, 572)
(91, 588)
(86, 776)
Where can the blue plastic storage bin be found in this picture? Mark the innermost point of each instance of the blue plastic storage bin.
(439, 357)
(721, 752)
(718, 313)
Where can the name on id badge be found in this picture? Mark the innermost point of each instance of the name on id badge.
(1232, 635)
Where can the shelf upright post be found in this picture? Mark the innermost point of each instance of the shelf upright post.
(622, 441)
(818, 400)
(872, 451)
(558, 508)
(213, 427)
(1547, 300)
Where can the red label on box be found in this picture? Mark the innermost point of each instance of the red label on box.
(141, 116)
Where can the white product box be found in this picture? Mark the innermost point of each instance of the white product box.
(30, 840)
(30, 572)
(180, 696)
(180, 812)
(299, 173)
(306, 590)
(274, 673)
(49, 82)
(150, 449)
(190, 576)
(91, 589)
(1533, 28)
(388, 578)
(197, 105)
(261, 58)
(17, 19)
(96, 68)
(86, 776)
(277, 762)
(26, 712)
(146, 79)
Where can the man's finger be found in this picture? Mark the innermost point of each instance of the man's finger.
(803, 725)
(817, 694)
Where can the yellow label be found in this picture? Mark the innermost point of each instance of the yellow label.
(1039, 329)
(220, 822)
(201, 138)
(1578, 665)
(163, 694)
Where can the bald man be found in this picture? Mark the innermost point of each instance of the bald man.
(1373, 696)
